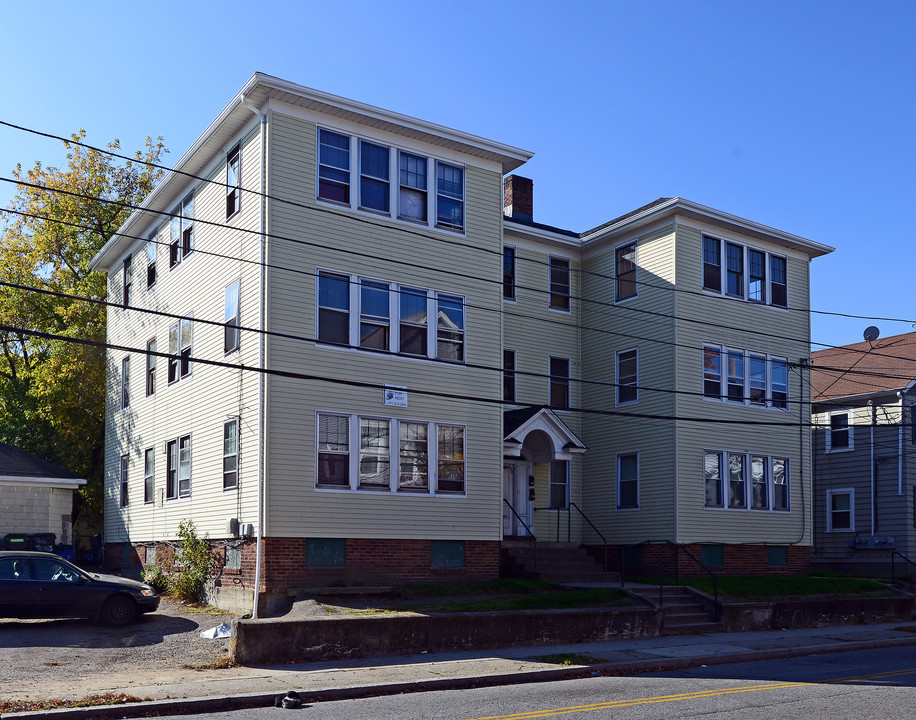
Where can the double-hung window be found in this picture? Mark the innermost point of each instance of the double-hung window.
(713, 481)
(181, 231)
(333, 450)
(748, 273)
(124, 495)
(757, 379)
(741, 481)
(756, 276)
(734, 360)
(779, 383)
(125, 382)
(413, 474)
(744, 377)
(231, 331)
(374, 315)
(734, 270)
(559, 484)
(627, 376)
(413, 324)
(509, 375)
(412, 195)
(151, 367)
(625, 266)
(712, 372)
(760, 482)
(151, 261)
(180, 343)
(374, 454)
(231, 454)
(178, 467)
(450, 328)
(628, 480)
(233, 182)
(333, 308)
(839, 433)
(508, 273)
(374, 184)
(778, 283)
(559, 283)
(780, 484)
(450, 458)
(333, 166)
(712, 264)
(449, 196)
(149, 475)
(840, 510)
(737, 481)
(559, 383)
(127, 279)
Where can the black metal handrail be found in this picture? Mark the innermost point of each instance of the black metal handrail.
(623, 571)
(530, 534)
(592, 525)
(897, 552)
(677, 574)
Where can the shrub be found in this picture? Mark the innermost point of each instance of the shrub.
(155, 577)
(194, 561)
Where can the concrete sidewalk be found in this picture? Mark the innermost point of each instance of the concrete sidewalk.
(221, 689)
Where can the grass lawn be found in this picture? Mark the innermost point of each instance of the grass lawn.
(755, 588)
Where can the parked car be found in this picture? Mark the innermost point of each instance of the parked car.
(44, 585)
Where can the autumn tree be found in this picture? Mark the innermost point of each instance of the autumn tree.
(52, 390)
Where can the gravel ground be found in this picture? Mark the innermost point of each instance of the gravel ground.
(52, 659)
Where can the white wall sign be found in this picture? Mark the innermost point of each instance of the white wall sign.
(395, 395)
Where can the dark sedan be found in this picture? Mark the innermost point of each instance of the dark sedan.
(43, 585)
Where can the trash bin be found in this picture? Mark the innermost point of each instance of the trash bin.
(43, 542)
(18, 541)
(65, 551)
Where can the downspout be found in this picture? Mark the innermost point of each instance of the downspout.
(262, 455)
(900, 444)
(874, 418)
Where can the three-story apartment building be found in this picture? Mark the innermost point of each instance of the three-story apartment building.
(348, 352)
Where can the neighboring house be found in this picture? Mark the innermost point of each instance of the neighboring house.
(36, 497)
(864, 449)
(427, 353)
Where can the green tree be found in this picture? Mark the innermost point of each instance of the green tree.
(52, 392)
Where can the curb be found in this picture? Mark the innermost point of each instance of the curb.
(167, 707)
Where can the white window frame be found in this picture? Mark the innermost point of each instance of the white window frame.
(630, 384)
(510, 278)
(723, 488)
(510, 376)
(617, 281)
(232, 334)
(181, 231)
(365, 176)
(180, 352)
(552, 483)
(233, 184)
(768, 281)
(396, 189)
(149, 475)
(181, 483)
(125, 382)
(149, 376)
(353, 454)
(828, 434)
(151, 253)
(851, 492)
(723, 351)
(230, 452)
(123, 487)
(566, 305)
(127, 280)
(562, 380)
(620, 479)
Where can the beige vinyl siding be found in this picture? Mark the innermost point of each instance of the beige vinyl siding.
(401, 253)
(200, 403)
(751, 327)
(609, 328)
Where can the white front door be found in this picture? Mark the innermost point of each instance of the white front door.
(515, 490)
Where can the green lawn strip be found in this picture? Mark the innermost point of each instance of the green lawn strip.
(754, 588)
(570, 659)
(502, 586)
(557, 600)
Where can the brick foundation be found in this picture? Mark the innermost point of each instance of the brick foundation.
(737, 560)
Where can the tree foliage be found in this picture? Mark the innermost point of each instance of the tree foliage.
(52, 392)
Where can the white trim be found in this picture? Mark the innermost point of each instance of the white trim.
(617, 382)
(62, 483)
(852, 510)
(549, 423)
(828, 432)
(626, 508)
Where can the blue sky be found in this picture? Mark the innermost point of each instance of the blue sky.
(795, 115)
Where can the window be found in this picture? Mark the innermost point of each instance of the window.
(414, 456)
(374, 315)
(559, 484)
(450, 470)
(509, 375)
(509, 273)
(450, 328)
(449, 196)
(180, 342)
(559, 283)
(178, 467)
(750, 378)
(374, 454)
(181, 231)
(628, 480)
(778, 287)
(627, 376)
(625, 260)
(149, 475)
(127, 277)
(840, 506)
(737, 481)
(734, 270)
(839, 435)
(230, 454)
(125, 382)
(333, 166)
(151, 261)
(559, 383)
(233, 182)
(769, 481)
(412, 198)
(712, 264)
(373, 176)
(413, 322)
(231, 332)
(150, 367)
(748, 272)
(333, 450)
(333, 308)
(125, 499)
(713, 466)
(756, 276)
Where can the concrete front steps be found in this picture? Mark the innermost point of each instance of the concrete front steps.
(684, 612)
(552, 562)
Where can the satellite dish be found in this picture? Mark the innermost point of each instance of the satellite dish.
(871, 334)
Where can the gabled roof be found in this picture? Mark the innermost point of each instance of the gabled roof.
(863, 368)
(19, 466)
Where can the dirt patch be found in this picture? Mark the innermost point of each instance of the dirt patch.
(53, 659)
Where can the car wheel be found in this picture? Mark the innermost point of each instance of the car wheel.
(118, 610)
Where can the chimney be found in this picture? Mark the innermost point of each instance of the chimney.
(518, 198)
